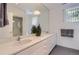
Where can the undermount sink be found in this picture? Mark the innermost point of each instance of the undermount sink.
(22, 42)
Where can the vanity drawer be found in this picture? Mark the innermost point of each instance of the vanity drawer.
(33, 49)
(43, 47)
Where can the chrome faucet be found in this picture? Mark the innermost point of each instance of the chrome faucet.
(18, 39)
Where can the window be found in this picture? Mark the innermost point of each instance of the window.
(71, 14)
(35, 20)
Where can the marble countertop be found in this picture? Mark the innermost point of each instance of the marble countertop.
(14, 47)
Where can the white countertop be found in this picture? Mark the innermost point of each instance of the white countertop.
(17, 46)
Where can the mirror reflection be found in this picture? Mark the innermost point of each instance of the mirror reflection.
(22, 17)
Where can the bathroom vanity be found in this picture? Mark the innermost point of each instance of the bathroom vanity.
(20, 24)
(31, 45)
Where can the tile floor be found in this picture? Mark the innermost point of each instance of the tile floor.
(59, 50)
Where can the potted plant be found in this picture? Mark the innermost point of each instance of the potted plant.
(38, 31)
(34, 29)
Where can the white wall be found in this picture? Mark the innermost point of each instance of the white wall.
(44, 21)
(57, 23)
(6, 32)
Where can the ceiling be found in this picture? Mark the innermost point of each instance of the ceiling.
(36, 6)
(30, 6)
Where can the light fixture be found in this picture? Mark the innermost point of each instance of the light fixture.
(36, 12)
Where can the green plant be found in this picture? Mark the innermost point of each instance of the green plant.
(38, 31)
(34, 29)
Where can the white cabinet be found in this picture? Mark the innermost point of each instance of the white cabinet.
(42, 48)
